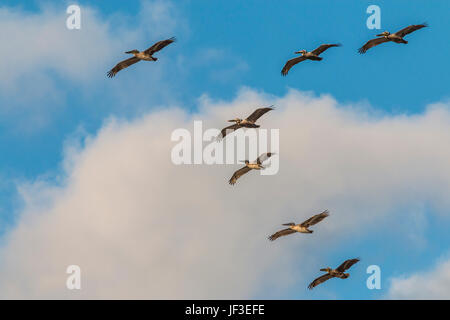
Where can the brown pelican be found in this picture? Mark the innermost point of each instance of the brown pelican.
(394, 37)
(334, 273)
(146, 55)
(305, 55)
(302, 227)
(249, 166)
(248, 122)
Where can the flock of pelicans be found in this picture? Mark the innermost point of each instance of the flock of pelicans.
(250, 122)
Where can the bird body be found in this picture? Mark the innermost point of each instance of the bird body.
(142, 55)
(250, 166)
(306, 55)
(301, 227)
(248, 122)
(386, 36)
(254, 166)
(146, 55)
(339, 272)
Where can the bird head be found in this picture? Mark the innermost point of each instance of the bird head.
(132, 51)
(383, 34)
(302, 52)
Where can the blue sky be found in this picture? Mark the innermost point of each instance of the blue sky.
(222, 47)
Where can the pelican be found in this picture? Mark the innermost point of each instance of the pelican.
(248, 122)
(146, 55)
(249, 166)
(305, 55)
(334, 273)
(302, 227)
(396, 37)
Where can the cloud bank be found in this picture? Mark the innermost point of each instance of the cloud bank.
(141, 227)
(431, 284)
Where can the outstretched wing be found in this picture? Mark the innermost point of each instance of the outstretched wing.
(324, 47)
(372, 43)
(347, 264)
(290, 64)
(228, 129)
(122, 65)
(264, 157)
(159, 45)
(315, 219)
(319, 280)
(281, 233)
(410, 29)
(258, 113)
(238, 174)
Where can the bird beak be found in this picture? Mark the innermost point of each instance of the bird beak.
(381, 34)
(231, 120)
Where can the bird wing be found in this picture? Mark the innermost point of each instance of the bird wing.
(159, 45)
(315, 219)
(122, 65)
(319, 280)
(372, 43)
(258, 113)
(410, 29)
(324, 47)
(347, 264)
(281, 233)
(264, 157)
(290, 64)
(228, 129)
(238, 174)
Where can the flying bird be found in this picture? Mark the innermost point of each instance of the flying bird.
(396, 37)
(146, 55)
(339, 272)
(302, 227)
(249, 166)
(305, 55)
(248, 122)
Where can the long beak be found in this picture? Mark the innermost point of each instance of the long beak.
(380, 35)
(242, 161)
(231, 120)
(324, 270)
(129, 52)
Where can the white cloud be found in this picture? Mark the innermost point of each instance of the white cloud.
(141, 227)
(432, 284)
(40, 43)
(43, 64)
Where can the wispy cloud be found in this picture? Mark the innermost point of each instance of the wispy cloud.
(433, 283)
